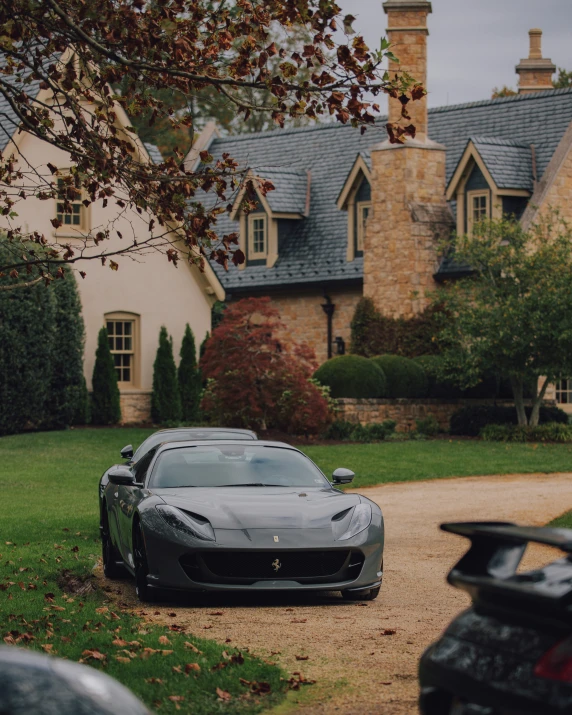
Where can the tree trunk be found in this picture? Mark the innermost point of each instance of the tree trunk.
(535, 414)
(518, 393)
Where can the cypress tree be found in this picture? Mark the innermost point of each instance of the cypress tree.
(166, 400)
(190, 382)
(67, 404)
(105, 405)
(26, 351)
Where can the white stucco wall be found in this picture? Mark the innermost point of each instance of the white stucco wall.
(148, 286)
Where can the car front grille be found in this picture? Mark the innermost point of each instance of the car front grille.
(246, 567)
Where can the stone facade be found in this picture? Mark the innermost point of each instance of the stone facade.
(135, 406)
(535, 71)
(306, 321)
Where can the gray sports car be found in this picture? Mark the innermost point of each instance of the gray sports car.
(239, 515)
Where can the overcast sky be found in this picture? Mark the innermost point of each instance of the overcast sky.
(474, 45)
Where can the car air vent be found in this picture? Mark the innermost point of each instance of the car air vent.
(342, 514)
(197, 517)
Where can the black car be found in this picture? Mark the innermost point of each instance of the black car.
(239, 516)
(177, 434)
(511, 652)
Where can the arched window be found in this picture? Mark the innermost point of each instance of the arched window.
(123, 334)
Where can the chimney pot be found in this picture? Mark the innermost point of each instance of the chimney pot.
(535, 36)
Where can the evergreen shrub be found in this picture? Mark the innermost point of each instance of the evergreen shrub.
(105, 403)
(352, 376)
(189, 377)
(165, 400)
(436, 387)
(405, 378)
(469, 420)
(550, 432)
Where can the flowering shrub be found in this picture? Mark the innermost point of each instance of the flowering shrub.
(257, 380)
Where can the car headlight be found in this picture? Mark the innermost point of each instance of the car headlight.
(361, 519)
(195, 525)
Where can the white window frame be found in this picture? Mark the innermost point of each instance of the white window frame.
(66, 228)
(361, 206)
(477, 194)
(564, 389)
(133, 352)
(252, 254)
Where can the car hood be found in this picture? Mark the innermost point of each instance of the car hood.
(261, 507)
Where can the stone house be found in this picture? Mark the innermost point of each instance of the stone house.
(353, 215)
(132, 302)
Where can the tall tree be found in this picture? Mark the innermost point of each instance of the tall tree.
(105, 403)
(184, 47)
(67, 392)
(190, 380)
(513, 315)
(563, 80)
(166, 400)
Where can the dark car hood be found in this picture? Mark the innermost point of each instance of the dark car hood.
(261, 507)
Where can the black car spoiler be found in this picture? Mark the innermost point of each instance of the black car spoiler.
(489, 568)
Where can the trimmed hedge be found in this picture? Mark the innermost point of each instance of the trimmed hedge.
(165, 400)
(405, 378)
(344, 431)
(551, 432)
(352, 376)
(105, 400)
(469, 420)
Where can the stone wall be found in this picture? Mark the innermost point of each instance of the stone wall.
(306, 322)
(135, 406)
(404, 411)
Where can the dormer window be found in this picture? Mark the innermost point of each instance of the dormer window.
(257, 236)
(478, 208)
(363, 210)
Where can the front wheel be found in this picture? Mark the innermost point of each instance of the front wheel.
(369, 594)
(111, 558)
(144, 593)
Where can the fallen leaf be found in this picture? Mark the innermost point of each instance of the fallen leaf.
(302, 657)
(177, 669)
(299, 620)
(122, 659)
(192, 647)
(176, 698)
(119, 642)
(228, 640)
(94, 654)
(166, 652)
(206, 627)
(102, 609)
(388, 632)
(223, 695)
(192, 666)
(48, 647)
(156, 681)
(163, 640)
(172, 615)
(387, 683)
(216, 613)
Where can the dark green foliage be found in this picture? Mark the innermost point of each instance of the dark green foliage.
(217, 314)
(344, 431)
(68, 394)
(203, 345)
(352, 376)
(436, 387)
(166, 400)
(375, 334)
(405, 378)
(428, 426)
(189, 376)
(26, 352)
(550, 432)
(471, 419)
(82, 414)
(563, 80)
(105, 405)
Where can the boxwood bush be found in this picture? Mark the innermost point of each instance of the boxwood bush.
(352, 376)
(405, 377)
(469, 420)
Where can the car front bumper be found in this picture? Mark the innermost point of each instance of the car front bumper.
(265, 559)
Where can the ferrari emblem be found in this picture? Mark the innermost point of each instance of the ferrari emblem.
(276, 539)
(276, 565)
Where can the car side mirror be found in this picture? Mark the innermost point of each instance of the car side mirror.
(121, 476)
(127, 452)
(343, 476)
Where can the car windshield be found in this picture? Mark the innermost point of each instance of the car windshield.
(186, 436)
(235, 466)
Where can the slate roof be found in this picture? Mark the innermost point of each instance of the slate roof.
(315, 251)
(290, 189)
(154, 153)
(509, 162)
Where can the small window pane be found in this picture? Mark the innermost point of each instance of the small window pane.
(119, 328)
(127, 328)
(127, 343)
(109, 327)
(564, 392)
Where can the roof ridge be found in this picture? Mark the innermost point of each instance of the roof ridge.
(501, 100)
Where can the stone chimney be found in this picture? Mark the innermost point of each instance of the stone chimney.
(408, 185)
(535, 72)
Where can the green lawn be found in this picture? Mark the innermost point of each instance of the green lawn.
(432, 459)
(49, 523)
(563, 521)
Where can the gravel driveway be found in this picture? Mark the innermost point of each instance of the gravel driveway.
(358, 669)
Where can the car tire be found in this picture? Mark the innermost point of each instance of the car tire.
(111, 557)
(369, 594)
(142, 589)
